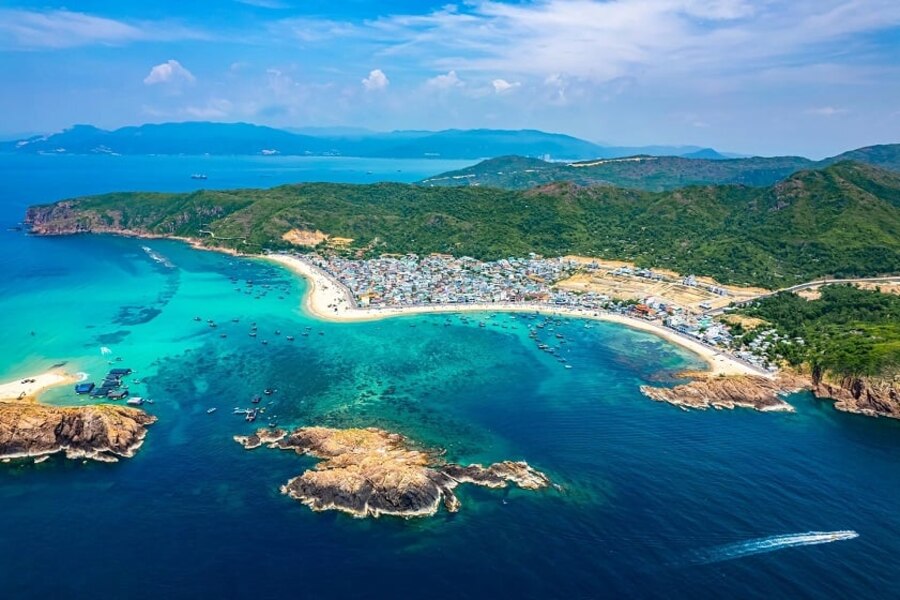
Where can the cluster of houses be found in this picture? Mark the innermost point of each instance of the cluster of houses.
(394, 281)
(411, 280)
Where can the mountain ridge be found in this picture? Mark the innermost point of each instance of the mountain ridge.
(200, 137)
(843, 220)
(654, 173)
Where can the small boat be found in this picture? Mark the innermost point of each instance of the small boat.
(289, 338)
(277, 332)
(269, 391)
(136, 401)
(199, 176)
(252, 334)
(210, 411)
(197, 319)
(256, 399)
(265, 342)
(241, 411)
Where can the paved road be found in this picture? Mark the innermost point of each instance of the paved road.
(808, 285)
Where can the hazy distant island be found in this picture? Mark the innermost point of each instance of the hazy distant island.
(198, 138)
(372, 472)
(671, 262)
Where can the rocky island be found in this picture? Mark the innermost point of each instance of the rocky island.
(371, 472)
(100, 432)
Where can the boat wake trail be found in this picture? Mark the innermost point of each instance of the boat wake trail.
(771, 544)
(157, 257)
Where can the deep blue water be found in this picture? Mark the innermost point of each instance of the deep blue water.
(649, 491)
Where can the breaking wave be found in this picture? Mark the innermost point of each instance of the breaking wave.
(773, 543)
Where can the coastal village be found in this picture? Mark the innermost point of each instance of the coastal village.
(686, 305)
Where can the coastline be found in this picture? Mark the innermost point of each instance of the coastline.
(328, 300)
(27, 389)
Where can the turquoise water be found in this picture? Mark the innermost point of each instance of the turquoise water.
(656, 501)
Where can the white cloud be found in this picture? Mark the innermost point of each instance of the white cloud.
(273, 4)
(216, 108)
(826, 111)
(53, 29)
(445, 82)
(502, 86)
(170, 71)
(376, 81)
(601, 41)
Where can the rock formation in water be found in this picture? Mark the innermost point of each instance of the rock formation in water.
(745, 391)
(372, 472)
(873, 397)
(99, 432)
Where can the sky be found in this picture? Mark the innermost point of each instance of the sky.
(808, 77)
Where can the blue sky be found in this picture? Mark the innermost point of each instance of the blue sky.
(811, 77)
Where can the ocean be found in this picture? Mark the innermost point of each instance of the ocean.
(655, 501)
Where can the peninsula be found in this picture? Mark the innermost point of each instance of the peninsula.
(102, 432)
(371, 472)
(29, 429)
(672, 262)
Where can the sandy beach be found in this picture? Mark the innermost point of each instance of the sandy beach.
(28, 388)
(329, 300)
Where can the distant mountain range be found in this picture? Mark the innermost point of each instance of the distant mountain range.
(246, 139)
(654, 173)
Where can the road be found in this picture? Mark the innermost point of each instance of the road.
(805, 286)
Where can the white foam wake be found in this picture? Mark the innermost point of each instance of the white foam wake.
(157, 257)
(773, 543)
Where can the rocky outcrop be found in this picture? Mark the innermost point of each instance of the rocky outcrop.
(744, 391)
(372, 472)
(873, 397)
(65, 218)
(101, 432)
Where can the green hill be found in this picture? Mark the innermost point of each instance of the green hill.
(841, 220)
(654, 173)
